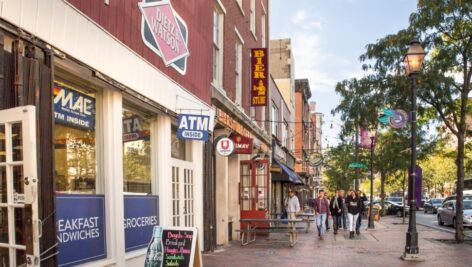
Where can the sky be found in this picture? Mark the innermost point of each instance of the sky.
(328, 36)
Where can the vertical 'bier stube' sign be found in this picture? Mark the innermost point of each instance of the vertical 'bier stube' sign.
(259, 77)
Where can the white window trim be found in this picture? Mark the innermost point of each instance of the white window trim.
(252, 18)
(239, 35)
(240, 5)
(218, 84)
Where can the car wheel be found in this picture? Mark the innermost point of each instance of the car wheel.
(440, 222)
(454, 223)
(425, 210)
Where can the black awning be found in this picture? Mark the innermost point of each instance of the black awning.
(287, 175)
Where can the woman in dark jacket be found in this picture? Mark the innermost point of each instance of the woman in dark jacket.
(354, 208)
(336, 206)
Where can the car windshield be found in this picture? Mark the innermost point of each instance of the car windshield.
(468, 205)
(395, 199)
(436, 201)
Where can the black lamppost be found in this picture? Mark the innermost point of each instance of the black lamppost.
(413, 61)
(371, 217)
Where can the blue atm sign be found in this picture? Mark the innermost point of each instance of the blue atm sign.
(193, 127)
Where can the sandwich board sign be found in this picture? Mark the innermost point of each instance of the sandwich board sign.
(174, 246)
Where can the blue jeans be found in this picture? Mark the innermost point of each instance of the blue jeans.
(337, 221)
(321, 223)
(359, 222)
(344, 219)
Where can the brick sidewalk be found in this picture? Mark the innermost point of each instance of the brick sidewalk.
(380, 247)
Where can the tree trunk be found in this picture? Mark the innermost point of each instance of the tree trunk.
(460, 188)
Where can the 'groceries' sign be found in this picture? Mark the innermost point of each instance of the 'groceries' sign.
(194, 127)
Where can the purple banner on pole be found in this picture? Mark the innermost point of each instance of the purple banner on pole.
(418, 187)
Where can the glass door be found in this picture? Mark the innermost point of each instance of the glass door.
(18, 188)
(182, 193)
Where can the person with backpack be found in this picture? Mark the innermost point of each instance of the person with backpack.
(321, 210)
(354, 208)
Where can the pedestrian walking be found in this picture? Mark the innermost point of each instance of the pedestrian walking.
(292, 206)
(336, 209)
(354, 206)
(321, 209)
(327, 218)
(363, 198)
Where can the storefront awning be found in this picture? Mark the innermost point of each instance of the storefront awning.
(286, 175)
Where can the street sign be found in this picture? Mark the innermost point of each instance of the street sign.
(357, 165)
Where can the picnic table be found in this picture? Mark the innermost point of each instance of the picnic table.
(248, 235)
(308, 218)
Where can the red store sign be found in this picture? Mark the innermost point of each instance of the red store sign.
(242, 145)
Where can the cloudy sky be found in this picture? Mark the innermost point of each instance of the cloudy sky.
(328, 36)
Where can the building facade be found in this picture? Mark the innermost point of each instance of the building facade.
(303, 125)
(103, 83)
(241, 180)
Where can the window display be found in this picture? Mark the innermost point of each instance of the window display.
(75, 139)
(136, 151)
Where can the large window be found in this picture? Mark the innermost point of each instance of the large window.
(75, 139)
(136, 150)
(284, 133)
(217, 47)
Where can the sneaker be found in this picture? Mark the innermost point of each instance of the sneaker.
(321, 237)
(358, 232)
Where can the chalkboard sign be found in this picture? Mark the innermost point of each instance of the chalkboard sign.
(173, 247)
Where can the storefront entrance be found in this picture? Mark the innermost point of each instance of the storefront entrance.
(254, 189)
(182, 193)
(19, 239)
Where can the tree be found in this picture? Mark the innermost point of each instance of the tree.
(445, 28)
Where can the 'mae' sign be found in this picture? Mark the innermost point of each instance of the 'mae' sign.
(193, 127)
(73, 108)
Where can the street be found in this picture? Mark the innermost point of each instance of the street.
(431, 220)
(380, 247)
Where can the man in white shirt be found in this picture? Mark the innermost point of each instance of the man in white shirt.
(292, 206)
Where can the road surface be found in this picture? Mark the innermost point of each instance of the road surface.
(431, 220)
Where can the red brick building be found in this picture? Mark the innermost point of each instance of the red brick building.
(238, 26)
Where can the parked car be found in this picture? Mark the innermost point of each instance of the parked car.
(398, 200)
(447, 213)
(432, 205)
(394, 208)
(466, 196)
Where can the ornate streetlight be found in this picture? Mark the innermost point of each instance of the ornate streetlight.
(371, 217)
(413, 61)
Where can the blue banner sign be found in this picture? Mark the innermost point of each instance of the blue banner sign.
(73, 108)
(193, 127)
(141, 215)
(80, 226)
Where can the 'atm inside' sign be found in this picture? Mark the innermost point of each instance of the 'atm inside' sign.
(193, 127)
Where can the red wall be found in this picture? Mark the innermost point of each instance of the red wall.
(122, 19)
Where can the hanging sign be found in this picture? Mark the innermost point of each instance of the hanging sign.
(73, 108)
(225, 147)
(259, 77)
(193, 127)
(173, 247)
(242, 145)
(141, 215)
(80, 226)
(315, 159)
(164, 32)
(397, 118)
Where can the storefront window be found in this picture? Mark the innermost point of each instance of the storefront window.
(136, 151)
(75, 139)
(179, 147)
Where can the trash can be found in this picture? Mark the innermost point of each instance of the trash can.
(375, 212)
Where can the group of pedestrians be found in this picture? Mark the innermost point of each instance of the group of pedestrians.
(346, 212)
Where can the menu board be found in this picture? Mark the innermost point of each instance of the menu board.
(173, 247)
